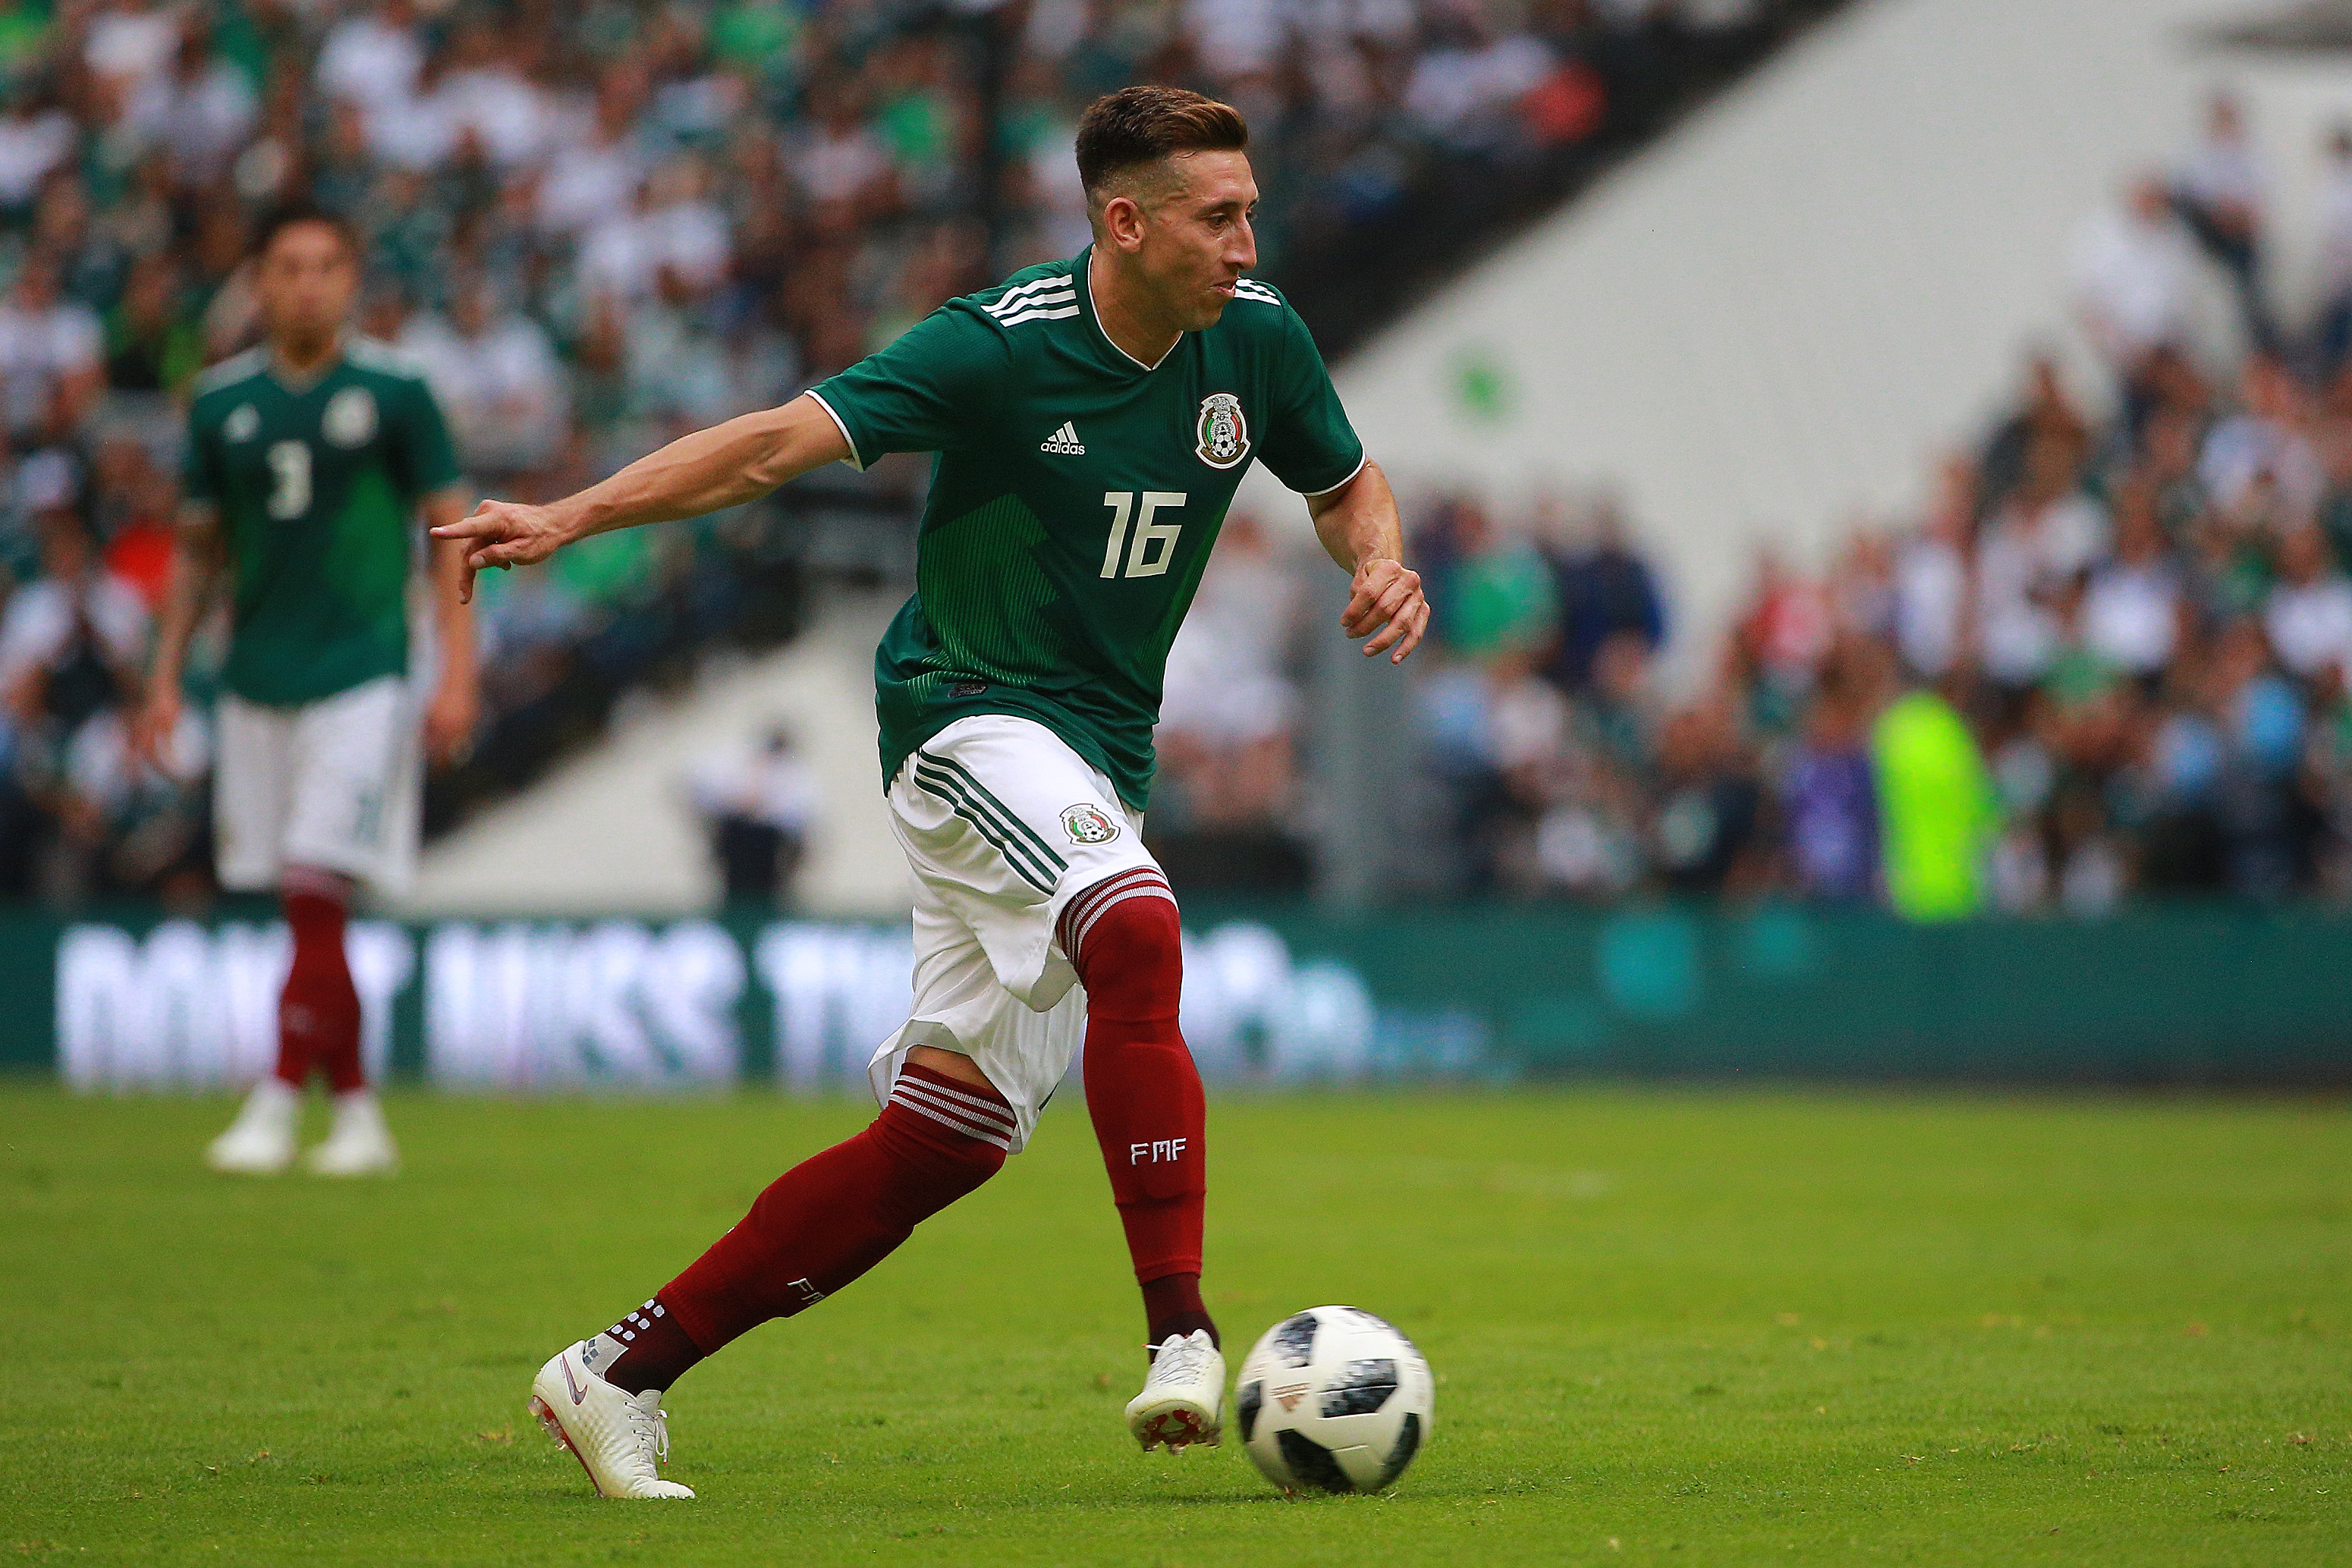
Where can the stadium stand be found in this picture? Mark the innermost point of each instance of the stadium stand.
(598, 225)
(2107, 659)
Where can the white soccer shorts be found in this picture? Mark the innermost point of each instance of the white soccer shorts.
(337, 783)
(1003, 824)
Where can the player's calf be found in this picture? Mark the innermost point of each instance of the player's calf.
(1143, 1092)
(816, 1228)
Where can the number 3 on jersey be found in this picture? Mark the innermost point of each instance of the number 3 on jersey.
(290, 479)
(1142, 559)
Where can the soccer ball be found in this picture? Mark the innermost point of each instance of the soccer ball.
(1334, 1399)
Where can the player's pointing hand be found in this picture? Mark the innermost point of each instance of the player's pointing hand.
(1386, 595)
(502, 534)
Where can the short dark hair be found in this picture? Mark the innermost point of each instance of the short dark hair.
(1138, 125)
(293, 213)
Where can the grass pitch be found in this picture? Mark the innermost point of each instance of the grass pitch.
(1668, 1327)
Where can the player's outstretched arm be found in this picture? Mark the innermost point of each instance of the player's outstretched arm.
(712, 469)
(1358, 525)
(197, 555)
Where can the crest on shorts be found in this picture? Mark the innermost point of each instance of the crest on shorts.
(1088, 824)
(1223, 433)
(349, 419)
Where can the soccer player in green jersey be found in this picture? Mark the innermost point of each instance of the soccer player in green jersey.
(308, 460)
(1092, 418)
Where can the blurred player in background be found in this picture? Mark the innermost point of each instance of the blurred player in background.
(308, 460)
(1093, 418)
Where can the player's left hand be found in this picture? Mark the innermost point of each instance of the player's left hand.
(502, 534)
(449, 720)
(1386, 597)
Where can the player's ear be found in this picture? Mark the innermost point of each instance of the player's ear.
(1122, 221)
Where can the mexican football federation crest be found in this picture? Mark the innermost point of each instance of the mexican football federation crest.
(349, 419)
(1223, 433)
(1088, 824)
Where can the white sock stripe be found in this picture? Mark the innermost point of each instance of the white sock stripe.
(1081, 911)
(977, 1102)
(920, 1091)
(1144, 890)
(944, 1120)
(1088, 897)
(1079, 919)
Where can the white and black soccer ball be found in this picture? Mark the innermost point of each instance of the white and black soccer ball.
(1334, 1399)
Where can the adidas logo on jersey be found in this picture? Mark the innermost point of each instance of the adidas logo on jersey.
(1064, 442)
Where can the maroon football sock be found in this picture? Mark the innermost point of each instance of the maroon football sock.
(1171, 1305)
(655, 1352)
(319, 1011)
(836, 1214)
(1143, 1091)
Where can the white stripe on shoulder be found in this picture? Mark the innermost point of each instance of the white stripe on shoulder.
(1062, 314)
(1020, 290)
(374, 354)
(235, 369)
(1258, 292)
(1052, 297)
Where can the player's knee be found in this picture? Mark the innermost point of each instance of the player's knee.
(1130, 954)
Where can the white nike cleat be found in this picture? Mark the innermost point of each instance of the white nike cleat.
(1183, 1395)
(260, 1142)
(620, 1439)
(360, 1143)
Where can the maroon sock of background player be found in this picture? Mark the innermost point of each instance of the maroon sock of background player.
(1143, 1091)
(829, 1219)
(319, 1011)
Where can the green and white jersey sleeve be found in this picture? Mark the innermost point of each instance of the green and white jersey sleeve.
(919, 394)
(1309, 444)
(1074, 500)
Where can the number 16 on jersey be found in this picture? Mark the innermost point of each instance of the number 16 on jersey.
(1142, 559)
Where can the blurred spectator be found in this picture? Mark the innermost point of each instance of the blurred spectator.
(52, 360)
(2217, 190)
(1935, 808)
(35, 136)
(497, 376)
(2333, 333)
(2258, 465)
(1499, 595)
(1931, 578)
(2309, 616)
(2136, 279)
(2132, 608)
(758, 809)
(71, 642)
(1603, 589)
(1228, 707)
(1829, 801)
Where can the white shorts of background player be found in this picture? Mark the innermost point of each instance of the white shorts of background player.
(337, 783)
(1002, 825)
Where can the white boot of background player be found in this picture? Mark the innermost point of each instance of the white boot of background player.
(1183, 1395)
(260, 1142)
(619, 1439)
(359, 1144)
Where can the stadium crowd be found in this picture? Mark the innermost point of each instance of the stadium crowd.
(2110, 659)
(598, 223)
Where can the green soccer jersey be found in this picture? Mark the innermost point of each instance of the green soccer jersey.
(316, 488)
(1074, 499)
